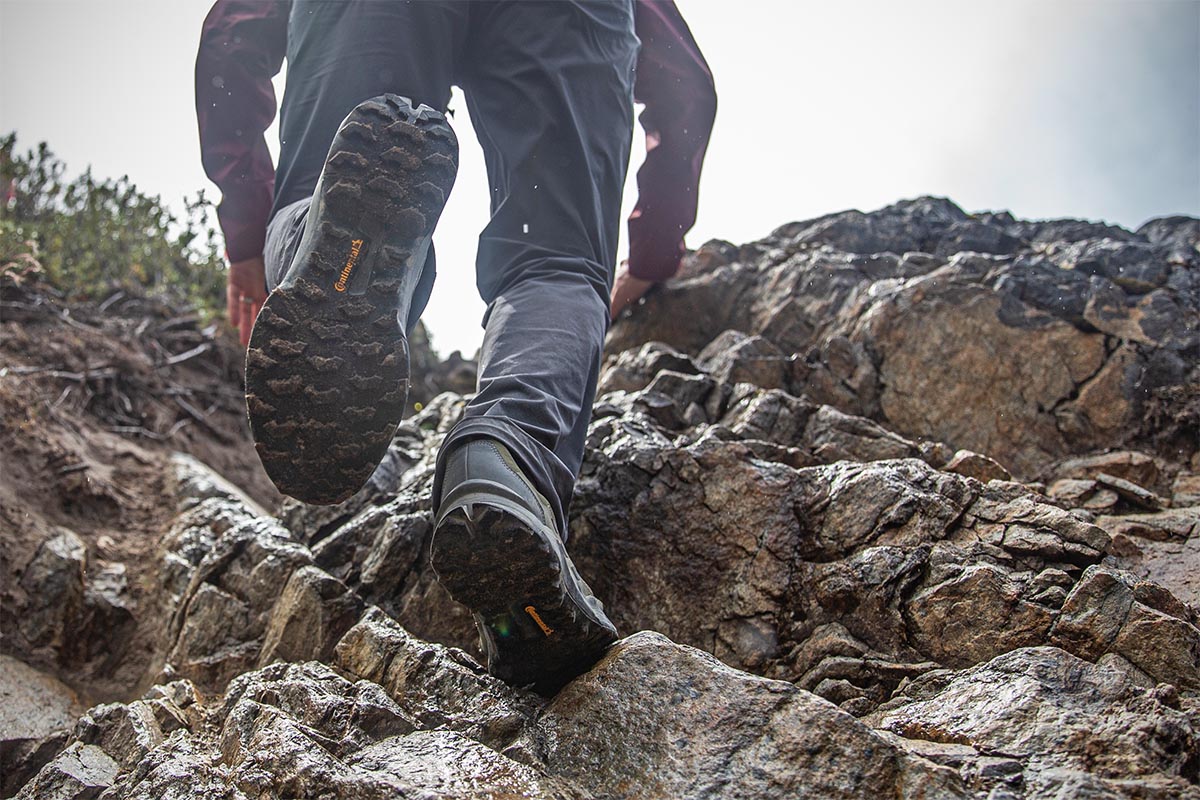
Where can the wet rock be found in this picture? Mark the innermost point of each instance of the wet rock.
(734, 357)
(438, 686)
(977, 466)
(692, 727)
(81, 772)
(179, 769)
(1112, 611)
(309, 618)
(219, 624)
(1178, 524)
(1185, 491)
(1065, 721)
(54, 583)
(37, 713)
(195, 482)
(1130, 491)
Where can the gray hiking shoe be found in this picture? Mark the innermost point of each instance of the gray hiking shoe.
(496, 549)
(327, 367)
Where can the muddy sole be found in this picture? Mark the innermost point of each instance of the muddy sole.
(327, 366)
(537, 629)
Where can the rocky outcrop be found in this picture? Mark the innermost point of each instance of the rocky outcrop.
(1026, 341)
(902, 504)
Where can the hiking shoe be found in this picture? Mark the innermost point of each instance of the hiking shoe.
(496, 549)
(327, 367)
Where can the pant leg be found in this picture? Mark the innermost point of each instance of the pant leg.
(340, 53)
(550, 90)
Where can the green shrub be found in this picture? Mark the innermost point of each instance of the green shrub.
(93, 237)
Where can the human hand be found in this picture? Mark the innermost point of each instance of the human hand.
(244, 295)
(627, 289)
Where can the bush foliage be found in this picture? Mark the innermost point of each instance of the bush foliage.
(93, 237)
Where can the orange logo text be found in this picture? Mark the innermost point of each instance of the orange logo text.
(355, 249)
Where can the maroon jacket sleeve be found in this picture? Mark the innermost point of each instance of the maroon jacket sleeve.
(242, 46)
(676, 85)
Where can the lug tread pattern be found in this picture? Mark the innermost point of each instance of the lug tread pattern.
(327, 369)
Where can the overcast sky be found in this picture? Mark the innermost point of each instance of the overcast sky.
(1046, 108)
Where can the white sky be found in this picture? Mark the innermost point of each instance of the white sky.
(1047, 108)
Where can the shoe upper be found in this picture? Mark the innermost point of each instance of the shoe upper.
(482, 464)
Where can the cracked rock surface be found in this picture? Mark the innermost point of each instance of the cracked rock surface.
(892, 505)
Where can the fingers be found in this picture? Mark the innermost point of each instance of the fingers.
(246, 321)
(245, 294)
(254, 307)
(231, 304)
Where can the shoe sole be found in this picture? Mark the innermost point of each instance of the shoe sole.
(327, 365)
(537, 628)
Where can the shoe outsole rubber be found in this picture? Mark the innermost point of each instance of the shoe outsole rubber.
(327, 366)
(537, 628)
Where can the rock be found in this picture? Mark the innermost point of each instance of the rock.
(1180, 230)
(977, 466)
(692, 727)
(734, 357)
(935, 332)
(1134, 266)
(300, 730)
(54, 583)
(1001, 618)
(1154, 319)
(1178, 524)
(1185, 491)
(1130, 491)
(344, 715)
(309, 618)
(178, 769)
(438, 686)
(124, 732)
(219, 624)
(447, 764)
(834, 436)
(195, 482)
(913, 481)
(1038, 316)
(81, 772)
(1064, 721)
(1163, 547)
(1089, 494)
(1104, 613)
(37, 713)
(631, 370)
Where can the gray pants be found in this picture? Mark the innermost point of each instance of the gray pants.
(550, 89)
